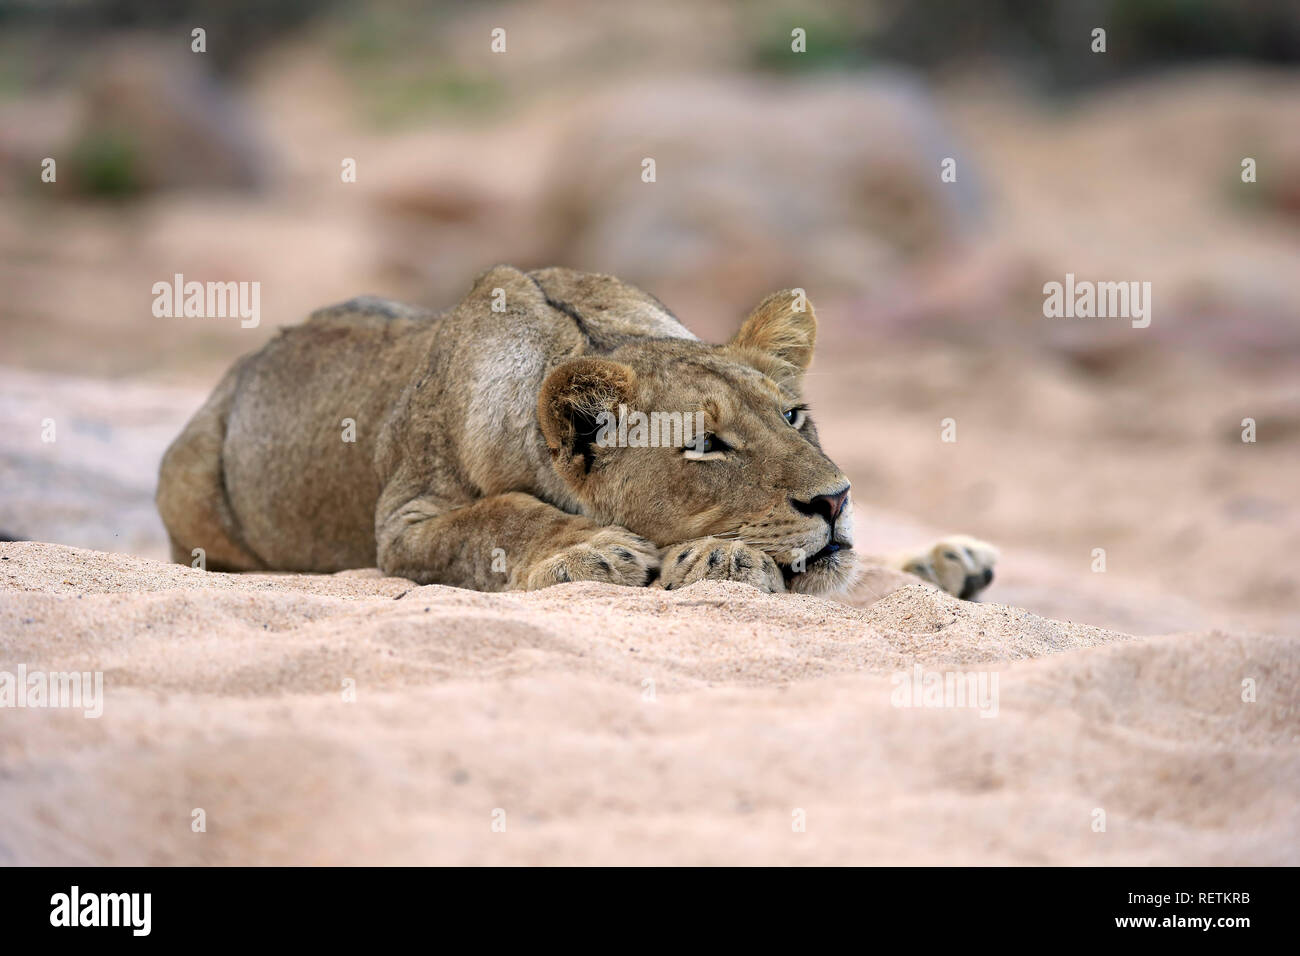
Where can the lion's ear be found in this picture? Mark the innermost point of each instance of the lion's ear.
(570, 407)
(783, 325)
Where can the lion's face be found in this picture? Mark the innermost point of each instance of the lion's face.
(748, 466)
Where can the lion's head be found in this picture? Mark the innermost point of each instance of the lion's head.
(756, 472)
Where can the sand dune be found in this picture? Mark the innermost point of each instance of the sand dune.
(611, 725)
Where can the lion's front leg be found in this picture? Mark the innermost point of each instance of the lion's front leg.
(961, 565)
(718, 559)
(611, 554)
(508, 542)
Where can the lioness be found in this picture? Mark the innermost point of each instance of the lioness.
(472, 449)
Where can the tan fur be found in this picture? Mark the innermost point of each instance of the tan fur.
(959, 564)
(476, 461)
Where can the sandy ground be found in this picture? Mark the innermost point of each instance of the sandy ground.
(631, 726)
(609, 725)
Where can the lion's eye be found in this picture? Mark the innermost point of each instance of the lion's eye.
(796, 416)
(705, 446)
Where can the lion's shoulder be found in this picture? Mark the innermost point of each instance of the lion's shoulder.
(607, 310)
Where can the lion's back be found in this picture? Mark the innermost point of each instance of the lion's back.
(301, 431)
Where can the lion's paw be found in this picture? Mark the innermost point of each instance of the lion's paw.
(612, 555)
(961, 565)
(714, 559)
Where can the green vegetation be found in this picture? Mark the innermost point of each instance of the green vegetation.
(107, 164)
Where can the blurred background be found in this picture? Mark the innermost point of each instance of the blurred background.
(774, 168)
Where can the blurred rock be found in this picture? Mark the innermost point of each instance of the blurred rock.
(154, 118)
(758, 183)
(28, 127)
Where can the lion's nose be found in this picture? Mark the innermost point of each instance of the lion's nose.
(828, 506)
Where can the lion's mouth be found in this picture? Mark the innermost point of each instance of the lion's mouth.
(827, 554)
